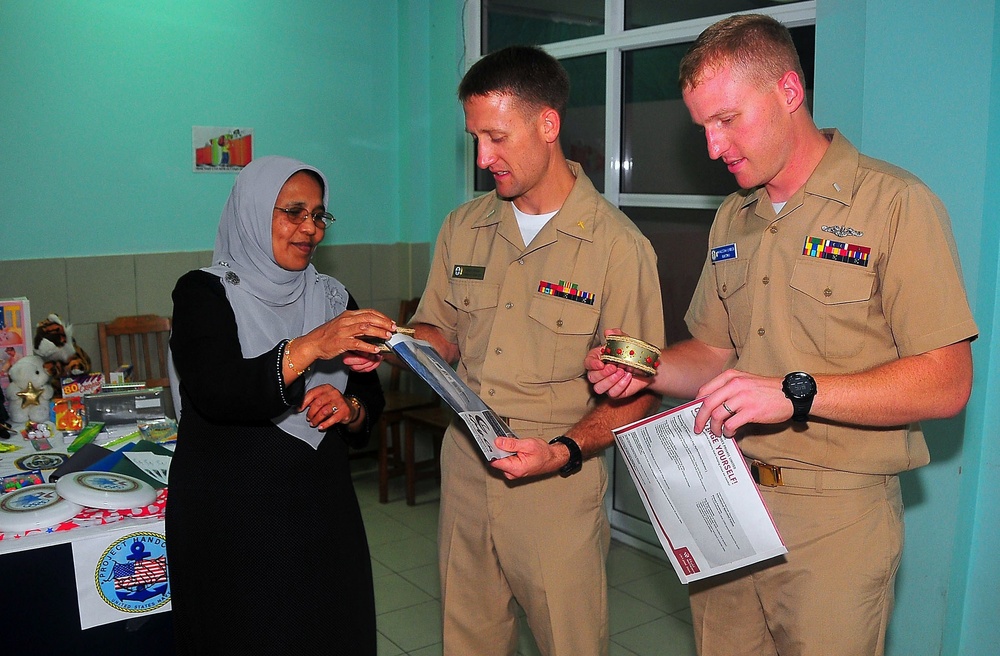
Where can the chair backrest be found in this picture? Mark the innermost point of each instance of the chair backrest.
(140, 341)
(407, 308)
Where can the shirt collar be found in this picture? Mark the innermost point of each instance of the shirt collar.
(574, 218)
(832, 179)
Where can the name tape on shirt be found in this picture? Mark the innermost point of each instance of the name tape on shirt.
(468, 272)
(721, 253)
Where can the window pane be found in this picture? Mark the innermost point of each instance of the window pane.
(536, 22)
(680, 239)
(663, 151)
(582, 132)
(643, 13)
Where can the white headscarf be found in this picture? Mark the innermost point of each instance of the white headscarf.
(272, 303)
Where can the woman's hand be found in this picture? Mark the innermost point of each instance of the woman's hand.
(341, 334)
(325, 406)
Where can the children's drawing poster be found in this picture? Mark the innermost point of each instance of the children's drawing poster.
(221, 148)
(15, 334)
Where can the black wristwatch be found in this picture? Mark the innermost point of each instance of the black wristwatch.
(800, 388)
(575, 455)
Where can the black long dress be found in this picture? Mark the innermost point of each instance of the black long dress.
(266, 548)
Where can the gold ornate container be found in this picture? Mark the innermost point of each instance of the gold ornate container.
(631, 352)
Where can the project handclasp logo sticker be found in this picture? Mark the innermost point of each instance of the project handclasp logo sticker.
(131, 575)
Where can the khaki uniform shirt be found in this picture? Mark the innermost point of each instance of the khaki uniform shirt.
(859, 268)
(524, 318)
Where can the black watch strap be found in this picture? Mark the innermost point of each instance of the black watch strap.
(575, 455)
(800, 388)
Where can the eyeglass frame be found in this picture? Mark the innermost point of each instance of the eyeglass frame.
(296, 215)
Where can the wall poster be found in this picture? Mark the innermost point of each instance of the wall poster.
(221, 148)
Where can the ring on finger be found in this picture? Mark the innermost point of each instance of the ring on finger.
(333, 409)
(728, 409)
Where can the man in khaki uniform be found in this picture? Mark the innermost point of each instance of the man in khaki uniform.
(829, 319)
(523, 283)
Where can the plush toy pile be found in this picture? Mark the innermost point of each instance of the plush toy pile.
(55, 344)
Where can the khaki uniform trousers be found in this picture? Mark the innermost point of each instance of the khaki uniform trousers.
(541, 543)
(832, 593)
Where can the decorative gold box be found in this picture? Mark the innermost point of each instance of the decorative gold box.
(631, 352)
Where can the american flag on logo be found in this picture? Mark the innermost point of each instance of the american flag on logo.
(143, 572)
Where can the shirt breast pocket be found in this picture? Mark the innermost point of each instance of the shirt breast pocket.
(476, 303)
(831, 305)
(731, 285)
(560, 334)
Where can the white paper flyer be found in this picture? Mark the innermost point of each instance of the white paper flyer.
(699, 494)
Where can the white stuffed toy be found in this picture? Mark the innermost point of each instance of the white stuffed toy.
(29, 394)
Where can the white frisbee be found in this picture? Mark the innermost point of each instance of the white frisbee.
(34, 506)
(108, 490)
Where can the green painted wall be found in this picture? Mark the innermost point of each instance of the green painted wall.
(914, 84)
(99, 97)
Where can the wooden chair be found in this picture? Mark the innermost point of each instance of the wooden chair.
(398, 399)
(140, 341)
(436, 420)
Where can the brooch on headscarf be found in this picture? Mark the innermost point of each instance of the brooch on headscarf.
(232, 278)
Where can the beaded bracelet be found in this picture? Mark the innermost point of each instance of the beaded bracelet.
(288, 357)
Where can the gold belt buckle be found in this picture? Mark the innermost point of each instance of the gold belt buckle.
(765, 474)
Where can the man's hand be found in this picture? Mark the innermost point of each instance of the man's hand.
(736, 398)
(532, 457)
(608, 378)
(362, 362)
(611, 379)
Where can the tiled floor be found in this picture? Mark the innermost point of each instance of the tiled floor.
(649, 607)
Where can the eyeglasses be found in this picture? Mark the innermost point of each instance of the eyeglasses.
(296, 215)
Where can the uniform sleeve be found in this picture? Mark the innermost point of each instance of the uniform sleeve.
(214, 376)
(433, 309)
(706, 316)
(923, 292)
(631, 298)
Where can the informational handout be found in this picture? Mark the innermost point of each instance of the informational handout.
(700, 496)
(484, 424)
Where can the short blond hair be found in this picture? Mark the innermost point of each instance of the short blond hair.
(757, 47)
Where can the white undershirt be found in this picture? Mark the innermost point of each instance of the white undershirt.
(531, 224)
(778, 206)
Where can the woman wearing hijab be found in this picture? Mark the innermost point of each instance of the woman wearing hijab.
(267, 552)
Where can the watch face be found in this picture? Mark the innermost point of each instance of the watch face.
(800, 385)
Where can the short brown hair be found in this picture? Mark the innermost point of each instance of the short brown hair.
(527, 73)
(758, 48)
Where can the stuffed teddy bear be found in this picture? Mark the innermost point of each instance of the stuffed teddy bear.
(29, 394)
